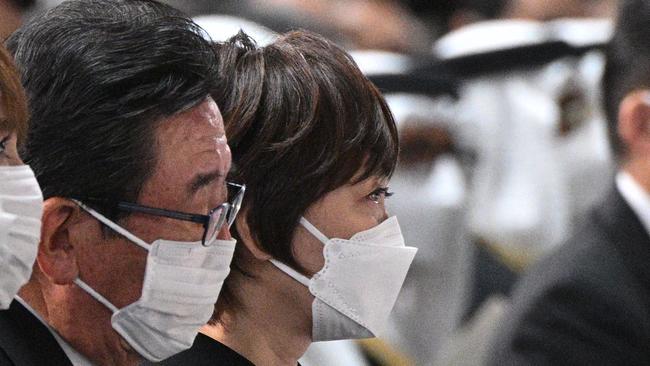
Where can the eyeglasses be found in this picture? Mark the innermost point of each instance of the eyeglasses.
(212, 222)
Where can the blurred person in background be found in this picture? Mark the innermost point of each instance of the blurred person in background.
(529, 108)
(319, 260)
(554, 9)
(465, 12)
(21, 201)
(587, 303)
(135, 242)
(431, 169)
(531, 112)
(394, 27)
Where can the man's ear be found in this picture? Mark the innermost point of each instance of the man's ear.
(56, 258)
(247, 239)
(634, 121)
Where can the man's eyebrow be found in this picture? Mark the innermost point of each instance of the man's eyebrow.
(202, 180)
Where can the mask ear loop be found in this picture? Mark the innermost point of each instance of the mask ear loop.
(103, 219)
(291, 272)
(314, 231)
(120, 230)
(84, 286)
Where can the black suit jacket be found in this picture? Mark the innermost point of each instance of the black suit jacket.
(588, 303)
(205, 352)
(25, 341)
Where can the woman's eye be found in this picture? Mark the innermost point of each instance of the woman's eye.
(3, 144)
(379, 193)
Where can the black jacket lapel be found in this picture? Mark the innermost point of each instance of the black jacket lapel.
(26, 341)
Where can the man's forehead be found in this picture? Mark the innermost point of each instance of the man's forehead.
(201, 124)
(197, 136)
(192, 150)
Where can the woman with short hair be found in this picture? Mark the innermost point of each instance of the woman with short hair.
(317, 257)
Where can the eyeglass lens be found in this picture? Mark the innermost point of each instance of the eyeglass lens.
(226, 212)
(217, 218)
(235, 205)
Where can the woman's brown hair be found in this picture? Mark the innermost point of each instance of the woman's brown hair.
(302, 121)
(12, 98)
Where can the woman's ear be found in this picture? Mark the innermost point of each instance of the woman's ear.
(241, 224)
(56, 258)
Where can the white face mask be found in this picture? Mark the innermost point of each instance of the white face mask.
(182, 282)
(359, 283)
(21, 207)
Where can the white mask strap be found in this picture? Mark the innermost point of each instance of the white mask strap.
(291, 272)
(314, 231)
(84, 286)
(120, 230)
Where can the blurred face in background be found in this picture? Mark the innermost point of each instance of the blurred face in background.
(471, 11)
(363, 24)
(552, 9)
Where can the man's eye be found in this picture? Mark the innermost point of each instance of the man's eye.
(379, 193)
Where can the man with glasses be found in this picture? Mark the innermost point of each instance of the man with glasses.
(212, 222)
(131, 154)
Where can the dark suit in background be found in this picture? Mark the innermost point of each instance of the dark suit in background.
(25, 341)
(588, 303)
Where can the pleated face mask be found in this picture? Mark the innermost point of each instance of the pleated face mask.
(21, 207)
(182, 282)
(357, 287)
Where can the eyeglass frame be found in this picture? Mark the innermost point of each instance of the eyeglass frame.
(228, 208)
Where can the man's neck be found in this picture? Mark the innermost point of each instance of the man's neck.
(263, 328)
(96, 343)
(32, 295)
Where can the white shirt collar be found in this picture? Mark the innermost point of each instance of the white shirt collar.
(76, 358)
(635, 196)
